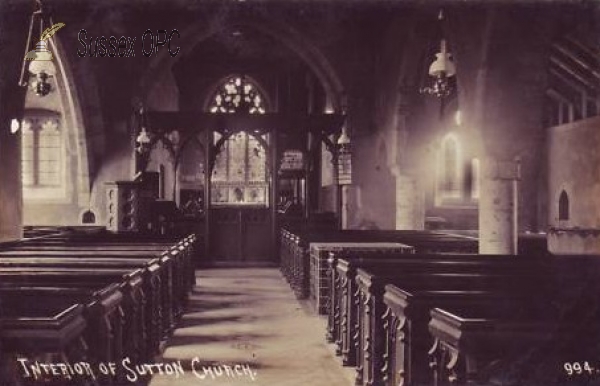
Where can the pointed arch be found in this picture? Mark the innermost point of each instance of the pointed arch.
(217, 87)
(564, 208)
(73, 118)
(54, 158)
(240, 172)
(162, 63)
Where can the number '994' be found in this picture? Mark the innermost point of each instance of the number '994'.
(579, 368)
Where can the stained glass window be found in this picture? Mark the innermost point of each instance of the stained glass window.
(240, 175)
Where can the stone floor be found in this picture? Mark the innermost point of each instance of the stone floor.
(249, 317)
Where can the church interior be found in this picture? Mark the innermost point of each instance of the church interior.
(270, 192)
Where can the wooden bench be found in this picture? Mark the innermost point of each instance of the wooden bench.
(475, 345)
(295, 248)
(183, 260)
(141, 305)
(50, 331)
(362, 313)
(103, 314)
(187, 246)
(164, 267)
(465, 345)
(403, 356)
(344, 285)
(319, 272)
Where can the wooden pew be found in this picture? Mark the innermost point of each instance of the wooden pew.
(141, 306)
(178, 275)
(465, 345)
(344, 285)
(319, 272)
(295, 248)
(52, 331)
(184, 261)
(527, 341)
(103, 314)
(151, 305)
(366, 309)
(404, 348)
(161, 275)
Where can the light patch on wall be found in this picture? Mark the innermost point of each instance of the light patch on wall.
(458, 118)
(450, 167)
(475, 177)
(15, 126)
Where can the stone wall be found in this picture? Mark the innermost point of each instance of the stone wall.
(574, 167)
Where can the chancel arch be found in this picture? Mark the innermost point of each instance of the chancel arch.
(161, 64)
(54, 151)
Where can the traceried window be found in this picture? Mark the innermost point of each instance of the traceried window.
(240, 175)
(236, 95)
(42, 150)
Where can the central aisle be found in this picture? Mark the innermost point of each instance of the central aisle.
(249, 316)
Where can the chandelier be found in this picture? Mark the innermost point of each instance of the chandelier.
(39, 61)
(441, 70)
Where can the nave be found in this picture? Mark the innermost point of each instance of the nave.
(250, 316)
(425, 176)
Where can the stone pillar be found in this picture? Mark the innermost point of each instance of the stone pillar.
(13, 33)
(410, 203)
(11, 201)
(498, 205)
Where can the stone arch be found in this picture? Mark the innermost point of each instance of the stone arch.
(290, 37)
(73, 118)
(65, 207)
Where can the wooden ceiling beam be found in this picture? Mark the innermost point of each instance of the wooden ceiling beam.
(586, 82)
(571, 55)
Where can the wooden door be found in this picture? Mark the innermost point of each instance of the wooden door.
(241, 234)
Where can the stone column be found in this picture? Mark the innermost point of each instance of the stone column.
(498, 205)
(11, 202)
(410, 203)
(13, 33)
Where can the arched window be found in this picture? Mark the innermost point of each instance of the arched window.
(240, 174)
(88, 217)
(450, 164)
(42, 149)
(563, 206)
(237, 94)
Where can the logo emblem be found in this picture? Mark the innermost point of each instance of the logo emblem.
(41, 52)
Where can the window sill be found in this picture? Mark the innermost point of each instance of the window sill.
(41, 194)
